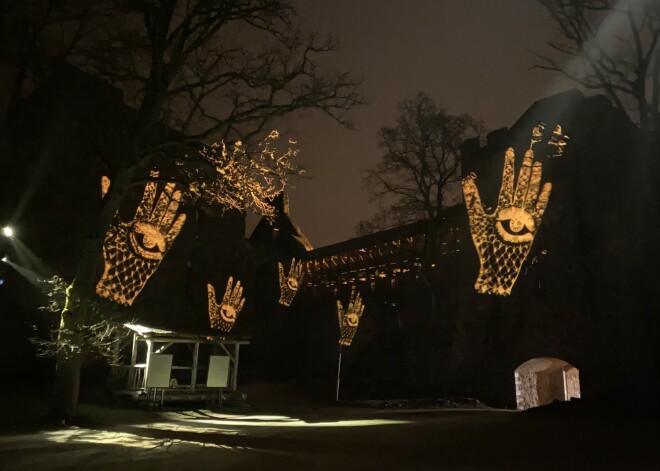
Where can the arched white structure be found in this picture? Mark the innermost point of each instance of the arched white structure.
(541, 381)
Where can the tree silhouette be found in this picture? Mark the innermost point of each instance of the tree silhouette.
(611, 46)
(207, 68)
(420, 166)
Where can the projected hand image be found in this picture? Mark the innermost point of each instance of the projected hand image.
(349, 319)
(223, 316)
(132, 251)
(289, 284)
(503, 238)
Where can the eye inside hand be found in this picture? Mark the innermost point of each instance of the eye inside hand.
(515, 225)
(147, 241)
(228, 313)
(292, 283)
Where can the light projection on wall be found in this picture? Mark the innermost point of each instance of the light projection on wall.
(558, 141)
(504, 237)
(290, 283)
(133, 250)
(105, 186)
(223, 316)
(349, 319)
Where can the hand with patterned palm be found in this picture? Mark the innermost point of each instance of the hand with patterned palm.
(289, 284)
(349, 319)
(223, 316)
(504, 237)
(132, 251)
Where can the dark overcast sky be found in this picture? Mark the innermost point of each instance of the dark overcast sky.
(471, 56)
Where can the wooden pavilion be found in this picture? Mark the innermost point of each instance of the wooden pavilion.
(166, 365)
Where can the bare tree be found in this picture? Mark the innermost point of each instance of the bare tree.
(209, 68)
(612, 46)
(36, 33)
(420, 166)
(222, 69)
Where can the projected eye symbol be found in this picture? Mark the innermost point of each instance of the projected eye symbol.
(515, 225)
(352, 319)
(292, 283)
(228, 313)
(147, 241)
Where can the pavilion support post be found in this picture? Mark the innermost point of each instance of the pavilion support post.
(193, 377)
(130, 382)
(150, 349)
(234, 376)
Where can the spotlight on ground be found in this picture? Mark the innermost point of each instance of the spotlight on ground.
(8, 231)
(5, 258)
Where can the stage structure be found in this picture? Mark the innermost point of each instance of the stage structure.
(156, 365)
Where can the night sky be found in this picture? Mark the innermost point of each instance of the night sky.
(470, 56)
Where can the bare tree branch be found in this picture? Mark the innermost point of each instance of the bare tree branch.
(613, 46)
(420, 163)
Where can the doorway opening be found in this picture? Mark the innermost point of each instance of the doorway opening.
(540, 381)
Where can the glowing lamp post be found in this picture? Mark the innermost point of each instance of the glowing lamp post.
(8, 232)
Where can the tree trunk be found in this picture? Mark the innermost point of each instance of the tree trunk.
(69, 359)
(67, 385)
(77, 309)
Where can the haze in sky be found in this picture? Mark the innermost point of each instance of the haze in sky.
(470, 56)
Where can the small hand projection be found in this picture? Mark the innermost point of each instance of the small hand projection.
(223, 316)
(349, 318)
(290, 283)
(132, 251)
(503, 238)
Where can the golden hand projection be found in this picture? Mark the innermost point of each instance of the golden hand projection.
(290, 283)
(132, 251)
(349, 318)
(223, 316)
(503, 238)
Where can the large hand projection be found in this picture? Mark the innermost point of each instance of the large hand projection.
(289, 284)
(504, 237)
(349, 319)
(223, 316)
(133, 250)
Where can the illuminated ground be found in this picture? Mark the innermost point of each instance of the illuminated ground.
(343, 438)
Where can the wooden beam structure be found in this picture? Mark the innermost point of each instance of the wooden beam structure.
(159, 340)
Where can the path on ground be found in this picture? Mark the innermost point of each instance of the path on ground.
(343, 439)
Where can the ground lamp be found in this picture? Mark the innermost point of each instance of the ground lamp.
(349, 319)
(8, 231)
